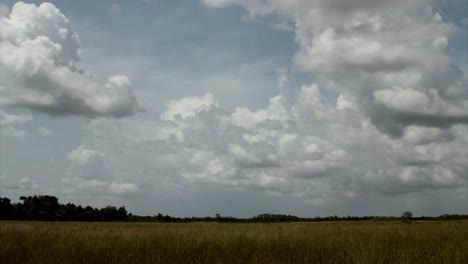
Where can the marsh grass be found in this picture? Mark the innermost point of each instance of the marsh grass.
(344, 242)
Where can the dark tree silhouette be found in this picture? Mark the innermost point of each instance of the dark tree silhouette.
(42, 207)
(406, 216)
(48, 208)
(7, 211)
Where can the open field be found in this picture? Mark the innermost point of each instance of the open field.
(344, 242)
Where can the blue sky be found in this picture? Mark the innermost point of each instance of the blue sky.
(237, 107)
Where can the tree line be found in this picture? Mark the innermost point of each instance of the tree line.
(48, 208)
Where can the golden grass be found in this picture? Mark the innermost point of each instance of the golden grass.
(338, 242)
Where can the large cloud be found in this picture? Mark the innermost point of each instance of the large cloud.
(39, 53)
(396, 126)
(304, 146)
(391, 55)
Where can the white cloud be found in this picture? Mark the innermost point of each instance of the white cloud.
(274, 149)
(344, 102)
(304, 142)
(188, 107)
(370, 47)
(417, 135)
(83, 155)
(399, 99)
(243, 149)
(39, 55)
(329, 52)
(440, 43)
(384, 115)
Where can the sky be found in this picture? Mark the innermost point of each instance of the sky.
(237, 107)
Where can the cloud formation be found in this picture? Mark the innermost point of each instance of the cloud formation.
(383, 114)
(39, 55)
(397, 124)
(303, 146)
(391, 56)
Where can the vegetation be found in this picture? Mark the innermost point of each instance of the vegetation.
(265, 238)
(406, 216)
(328, 242)
(47, 208)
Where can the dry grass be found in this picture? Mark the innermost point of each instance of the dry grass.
(345, 242)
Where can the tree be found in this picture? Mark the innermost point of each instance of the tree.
(406, 216)
(41, 207)
(122, 214)
(6, 208)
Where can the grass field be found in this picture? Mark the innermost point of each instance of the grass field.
(343, 242)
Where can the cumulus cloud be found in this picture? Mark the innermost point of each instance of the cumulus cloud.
(390, 55)
(306, 147)
(396, 126)
(399, 120)
(418, 135)
(386, 111)
(269, 149)
(39, 56)
(84, 155)
(188, 107)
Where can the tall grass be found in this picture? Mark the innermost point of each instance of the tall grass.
(344, 242)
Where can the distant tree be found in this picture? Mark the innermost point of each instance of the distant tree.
(122, 214)
(167, 218)
(6, 208)
(112, 213)
(89, 213)
(41, 207)
(66, 212)
(159, 217)
(406, 216)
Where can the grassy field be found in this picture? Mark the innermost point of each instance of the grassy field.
(344, 242)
